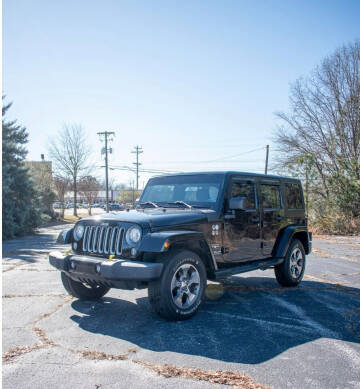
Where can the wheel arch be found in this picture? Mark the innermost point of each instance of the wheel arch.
(162, 243)
(287, 235)
(201, 248)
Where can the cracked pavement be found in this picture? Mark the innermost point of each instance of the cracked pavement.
(256, 332)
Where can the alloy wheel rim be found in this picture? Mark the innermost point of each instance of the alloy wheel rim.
(296, 263)
(185, 286)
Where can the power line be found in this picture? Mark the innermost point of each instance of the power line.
(233, 156)
(213, 160)
(133, 170)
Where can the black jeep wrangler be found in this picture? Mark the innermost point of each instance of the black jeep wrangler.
(187, 229)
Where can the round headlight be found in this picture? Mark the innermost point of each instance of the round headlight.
(79, 231)
(133, 235)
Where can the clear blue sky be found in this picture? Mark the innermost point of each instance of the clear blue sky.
(189, 81)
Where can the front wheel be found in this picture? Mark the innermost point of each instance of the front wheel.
(83, 291)
(178, 294)
(291, 271)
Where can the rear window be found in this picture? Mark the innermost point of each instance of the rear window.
(293, 196)
(270, 196)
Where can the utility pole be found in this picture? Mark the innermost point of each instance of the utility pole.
(138, 150)
(105, 135)
(267, 159)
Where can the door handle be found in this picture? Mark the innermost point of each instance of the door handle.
(279, 217)
(255, 219)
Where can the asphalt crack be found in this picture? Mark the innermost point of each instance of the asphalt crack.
(99, 355)
(45, 342)
(224, 377)
(233, 379)
(8, 296)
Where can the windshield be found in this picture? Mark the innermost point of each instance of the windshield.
(200, 191)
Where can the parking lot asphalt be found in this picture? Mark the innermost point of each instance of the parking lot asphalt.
(256, 332)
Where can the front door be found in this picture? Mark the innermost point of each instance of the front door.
(272, 214)
(242, 233)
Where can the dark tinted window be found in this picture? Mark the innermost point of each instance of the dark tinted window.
(293, 196)
(244, 189)
(270, 196)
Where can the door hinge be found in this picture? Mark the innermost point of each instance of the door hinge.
(224, 250)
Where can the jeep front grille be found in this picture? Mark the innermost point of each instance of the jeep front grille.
(103, 240)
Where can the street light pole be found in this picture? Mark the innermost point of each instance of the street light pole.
(106, 134)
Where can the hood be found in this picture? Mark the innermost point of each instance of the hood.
(157, 217)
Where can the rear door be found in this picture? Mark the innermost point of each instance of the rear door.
(272, 213)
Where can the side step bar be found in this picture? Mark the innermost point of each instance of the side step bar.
(256, 265)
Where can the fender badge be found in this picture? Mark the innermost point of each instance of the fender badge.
(111, 257)
(215, 229)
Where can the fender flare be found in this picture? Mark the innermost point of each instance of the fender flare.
(161, 242)
(65, 236)
(285, 237)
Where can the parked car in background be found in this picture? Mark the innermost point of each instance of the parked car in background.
(115, 207)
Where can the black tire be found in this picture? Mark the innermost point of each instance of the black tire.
(161, 294)
(291, 271)
(82, 291)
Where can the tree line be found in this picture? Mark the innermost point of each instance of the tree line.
(28, 194)
(318, 140)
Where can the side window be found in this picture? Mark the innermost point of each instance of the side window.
(244, 189)
(293, 196)
(270, 195)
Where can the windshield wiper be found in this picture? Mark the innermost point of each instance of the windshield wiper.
(180, 202)
(154, 205)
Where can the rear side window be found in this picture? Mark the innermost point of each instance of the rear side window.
(293, 196)
(270, 195)
(244, 189)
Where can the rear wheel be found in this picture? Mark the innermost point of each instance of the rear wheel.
(291, 271)
(83, 291)
(178, 294)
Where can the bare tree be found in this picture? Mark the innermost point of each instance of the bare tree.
(89, 187)
(322, 128)
(70, 153)
(61, 185)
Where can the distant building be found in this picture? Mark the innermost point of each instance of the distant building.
(100, 196)
(40, 170)
(41, 174)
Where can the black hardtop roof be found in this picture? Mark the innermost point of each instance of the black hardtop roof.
(229, 173)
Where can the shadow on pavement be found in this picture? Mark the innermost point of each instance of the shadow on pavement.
(254, 320)
(27, 248)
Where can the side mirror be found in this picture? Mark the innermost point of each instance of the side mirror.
(238, 203)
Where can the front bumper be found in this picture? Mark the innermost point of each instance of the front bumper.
(119, 273)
